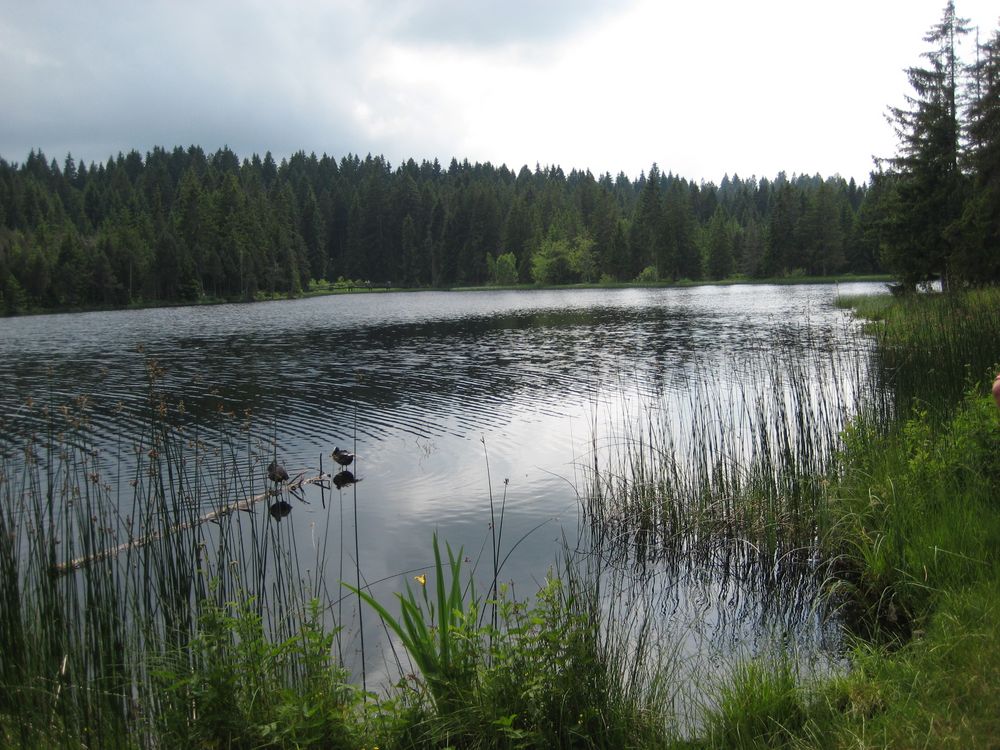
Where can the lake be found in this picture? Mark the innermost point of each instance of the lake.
(446, 398)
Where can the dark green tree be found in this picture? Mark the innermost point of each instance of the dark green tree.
(976, 255)
(718, 245)
(647, 241)
(929, 183)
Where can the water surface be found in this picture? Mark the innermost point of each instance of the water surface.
(443, 396)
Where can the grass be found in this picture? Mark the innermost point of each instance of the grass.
(905, 510)
(931, 348)
(551, 674)
(916, 555)
(747, 459)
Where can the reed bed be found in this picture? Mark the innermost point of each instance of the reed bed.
(107, 597)
(748, 458)
(931, 348)
(166, 608)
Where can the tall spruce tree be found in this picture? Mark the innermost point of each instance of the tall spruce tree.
(976, 259)
(646, 232)
(926, 174)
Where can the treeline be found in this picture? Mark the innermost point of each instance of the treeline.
(181, 224)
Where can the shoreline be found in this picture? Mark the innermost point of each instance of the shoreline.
(332, 291)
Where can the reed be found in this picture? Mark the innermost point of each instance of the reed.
(915, 542)
(747, 458)
(84, 643)
(180, 614)
(931, 348)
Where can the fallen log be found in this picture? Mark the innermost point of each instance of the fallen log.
(140, 541)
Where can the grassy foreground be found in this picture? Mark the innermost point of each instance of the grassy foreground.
(916, 550)
(919, 571)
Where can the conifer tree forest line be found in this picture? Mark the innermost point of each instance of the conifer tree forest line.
(183, 224)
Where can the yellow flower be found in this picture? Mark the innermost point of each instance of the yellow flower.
(421, 579)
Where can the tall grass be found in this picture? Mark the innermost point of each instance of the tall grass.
(913, 541)
(931, 348)
(745, 457)
(130, 621)
(916, 498)
(102, 591)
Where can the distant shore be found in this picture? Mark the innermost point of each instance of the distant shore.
(323, 290)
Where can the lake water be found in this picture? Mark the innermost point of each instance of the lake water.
(445, 397)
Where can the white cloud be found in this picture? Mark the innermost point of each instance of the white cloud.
(701, 88)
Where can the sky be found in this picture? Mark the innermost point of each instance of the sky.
(703, 89)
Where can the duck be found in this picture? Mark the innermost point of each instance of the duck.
(276, 472)
(344, 479)
(344, 458)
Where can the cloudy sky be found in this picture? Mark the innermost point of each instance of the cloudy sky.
(702, 88)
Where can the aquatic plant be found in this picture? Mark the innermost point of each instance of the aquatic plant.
(555, 671)
(438, 635)
(101, 584)
(747, 458)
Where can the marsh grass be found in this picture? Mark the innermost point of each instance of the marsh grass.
(915, 541)
(912, 542)
(918, 512)
(761, 705)
(130, 622)
(746, 458)
(915, 500)
(931, 348)
(101, 591)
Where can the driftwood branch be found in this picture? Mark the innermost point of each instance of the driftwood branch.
(153, 536)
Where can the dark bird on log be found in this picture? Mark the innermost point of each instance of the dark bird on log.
(343, 479)
(344, 458)
(276, 473)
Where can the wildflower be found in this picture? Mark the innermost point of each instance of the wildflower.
(421, 579)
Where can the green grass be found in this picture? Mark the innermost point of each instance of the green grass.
(931, 348)
(938, 690)
(915, 545)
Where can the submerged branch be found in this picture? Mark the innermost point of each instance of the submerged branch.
(140, 541)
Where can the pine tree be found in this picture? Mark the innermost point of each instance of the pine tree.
(976, 259)
(646, 233)
(718, 245)
(929, 183)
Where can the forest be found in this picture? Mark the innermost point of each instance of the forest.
(181, 224)
(184, 224)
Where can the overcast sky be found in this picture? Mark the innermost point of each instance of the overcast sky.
(702, 88)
